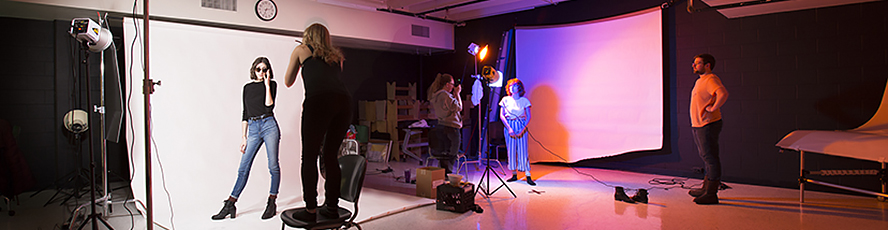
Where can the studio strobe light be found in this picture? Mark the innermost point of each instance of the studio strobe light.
(88, 31)
(94, 38)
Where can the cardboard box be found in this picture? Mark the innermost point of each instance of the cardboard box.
(427, 181)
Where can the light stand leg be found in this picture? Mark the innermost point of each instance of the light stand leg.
(486, 189)
(883, 181)
(74, 177)
(802, 179)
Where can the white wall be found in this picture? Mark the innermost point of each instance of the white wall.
(293, 15)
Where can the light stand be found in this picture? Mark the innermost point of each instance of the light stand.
(485, 190)
(93, 38)
(147, 90)
(93, 216)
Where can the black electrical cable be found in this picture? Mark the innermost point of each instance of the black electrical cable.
(129, 96)
(383, 172)
(590, 175)
(163, 180)
(129, 110)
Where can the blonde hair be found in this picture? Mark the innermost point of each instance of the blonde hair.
(441, 80)
(318, 37)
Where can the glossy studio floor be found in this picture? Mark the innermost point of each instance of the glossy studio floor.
(565, 198)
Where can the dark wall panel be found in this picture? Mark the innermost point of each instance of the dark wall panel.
(27, 92)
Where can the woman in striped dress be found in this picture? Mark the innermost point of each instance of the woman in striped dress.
(515, 114)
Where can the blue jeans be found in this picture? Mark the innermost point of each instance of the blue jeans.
(706, 138)
(266, 131)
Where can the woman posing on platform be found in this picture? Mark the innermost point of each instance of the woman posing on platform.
(515, 114)
(326, 113)
(259, 126)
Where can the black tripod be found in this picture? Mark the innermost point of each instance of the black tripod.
(485, 190)
(93, 216)
(74, 177)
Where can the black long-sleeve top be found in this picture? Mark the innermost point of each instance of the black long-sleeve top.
(254, 99)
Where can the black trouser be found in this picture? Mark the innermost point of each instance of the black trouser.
(325, 120)
(447, 147)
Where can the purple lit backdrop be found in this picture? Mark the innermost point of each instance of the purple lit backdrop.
(596, 87)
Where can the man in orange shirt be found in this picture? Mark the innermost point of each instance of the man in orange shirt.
(707, 97)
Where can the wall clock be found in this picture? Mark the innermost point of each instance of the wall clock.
(266, 10)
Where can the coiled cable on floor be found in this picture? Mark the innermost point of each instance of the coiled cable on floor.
(593, 176)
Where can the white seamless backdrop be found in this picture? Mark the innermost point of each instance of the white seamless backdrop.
(596, 87)
(196, 122)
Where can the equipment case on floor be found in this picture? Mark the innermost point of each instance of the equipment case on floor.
(455, 199)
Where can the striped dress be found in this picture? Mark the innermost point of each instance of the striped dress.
(514, 112)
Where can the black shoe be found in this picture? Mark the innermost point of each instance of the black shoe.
(697, 192)
(707, 198)
(530, 181)
(514, 178)
(303, 215)
(270, 209)
(327, 212)
(641, 196)
(620, 195)
(226, 210)
(710, 195)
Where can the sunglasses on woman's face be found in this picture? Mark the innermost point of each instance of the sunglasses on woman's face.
(262, 70)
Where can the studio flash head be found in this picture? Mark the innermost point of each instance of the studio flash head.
(87, 30)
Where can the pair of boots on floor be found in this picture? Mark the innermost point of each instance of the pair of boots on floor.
(229, 209)
(515, 178)
(708, 194)
(641, 196)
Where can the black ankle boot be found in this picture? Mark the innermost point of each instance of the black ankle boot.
(302, 214)
(270, 209)
(641, 196)
(227, 209)
(514, 178)
(710, 195)
(697, 192)
(620, 195)
(530, 181)
(328, 212)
